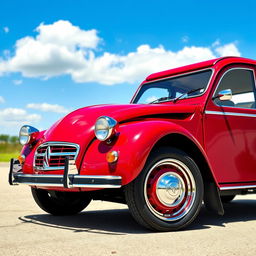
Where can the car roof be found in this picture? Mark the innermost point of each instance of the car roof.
(223, 61)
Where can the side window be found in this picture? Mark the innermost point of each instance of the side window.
(241, 83)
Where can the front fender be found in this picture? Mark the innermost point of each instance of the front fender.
(134, 143)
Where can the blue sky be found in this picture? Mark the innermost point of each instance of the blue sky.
(56, 56)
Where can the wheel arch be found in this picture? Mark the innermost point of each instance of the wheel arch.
(211, 196)
(185, 144)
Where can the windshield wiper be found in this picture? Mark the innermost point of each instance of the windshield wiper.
(161, 99)
(186, 93)
(176, 99)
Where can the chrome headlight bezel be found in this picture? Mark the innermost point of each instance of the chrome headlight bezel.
(104, 128)
(25, 134)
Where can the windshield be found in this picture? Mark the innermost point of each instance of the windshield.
(190, 85)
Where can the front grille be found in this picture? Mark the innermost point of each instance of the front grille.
(51, 155)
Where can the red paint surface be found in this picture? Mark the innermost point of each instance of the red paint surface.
(139, 129)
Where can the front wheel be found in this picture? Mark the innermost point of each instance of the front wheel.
(60, 203)
(168, 193)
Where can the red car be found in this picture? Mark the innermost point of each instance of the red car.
(186, 137)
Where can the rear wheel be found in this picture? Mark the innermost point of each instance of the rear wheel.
(168, 193)
(60, 203)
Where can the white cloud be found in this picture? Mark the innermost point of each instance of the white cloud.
(65, 34)
(17, 82)
(58, 49)
(228, 50)
(113, 69)
(17, 116)
(6, 29)
(150, 99)
(48, 107)
(2, 100)
(62, 48)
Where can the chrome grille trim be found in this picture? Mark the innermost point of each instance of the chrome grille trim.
(45, 157)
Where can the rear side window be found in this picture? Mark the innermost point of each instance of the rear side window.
(242, 84)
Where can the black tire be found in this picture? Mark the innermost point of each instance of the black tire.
(60, 203)
(227, 199)
(159, 198)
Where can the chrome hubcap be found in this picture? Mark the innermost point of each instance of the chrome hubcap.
(169, 189)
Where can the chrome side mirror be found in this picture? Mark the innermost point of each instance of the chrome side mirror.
(225, 95)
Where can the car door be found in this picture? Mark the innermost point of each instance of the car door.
(230, 126)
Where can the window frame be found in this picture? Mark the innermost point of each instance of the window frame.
(178, 75)
(220, 80)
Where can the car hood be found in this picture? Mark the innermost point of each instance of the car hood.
(78, 126)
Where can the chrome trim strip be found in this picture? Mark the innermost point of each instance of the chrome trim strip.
(229, 113)
(49, 168)
(238, 187)
(58, 154)
(106, 177)
(73, 186)
(95, 186)
(57, 181)
(60, 143)
(40, 184)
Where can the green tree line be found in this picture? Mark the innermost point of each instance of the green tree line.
(9, 144)
(5, 138)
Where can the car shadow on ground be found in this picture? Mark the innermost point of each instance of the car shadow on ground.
(120, 222)
(235, 211)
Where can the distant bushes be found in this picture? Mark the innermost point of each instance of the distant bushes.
(9, 144)
(4, 138)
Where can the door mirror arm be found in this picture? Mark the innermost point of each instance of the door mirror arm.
(224, 95)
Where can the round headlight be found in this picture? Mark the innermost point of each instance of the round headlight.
(25, 134)
(104, 127)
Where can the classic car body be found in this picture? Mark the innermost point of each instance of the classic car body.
(162, 155)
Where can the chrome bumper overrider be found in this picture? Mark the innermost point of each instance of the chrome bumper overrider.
(66, 180)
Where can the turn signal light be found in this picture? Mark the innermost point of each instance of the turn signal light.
(112, 156)
(21, 159)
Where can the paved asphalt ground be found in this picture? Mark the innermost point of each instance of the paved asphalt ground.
(108, 229)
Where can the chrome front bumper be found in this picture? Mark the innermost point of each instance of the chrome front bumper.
(66, 180)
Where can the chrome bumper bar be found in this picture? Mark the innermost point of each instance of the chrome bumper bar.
(66, 180)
